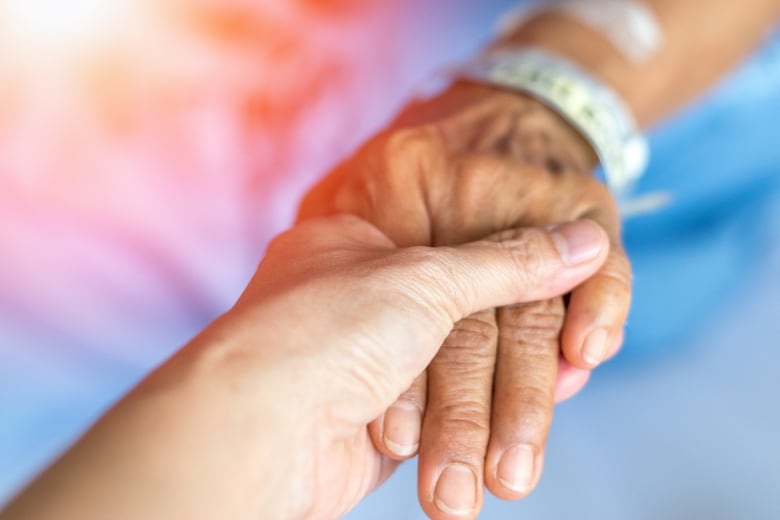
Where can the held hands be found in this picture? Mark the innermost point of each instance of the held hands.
(273, 409)
(369, 318)
(474, 162)
(265, 414)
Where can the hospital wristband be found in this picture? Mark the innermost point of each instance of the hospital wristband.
(591, 107)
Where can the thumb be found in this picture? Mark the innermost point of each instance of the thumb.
(514, 266)
(444, 285)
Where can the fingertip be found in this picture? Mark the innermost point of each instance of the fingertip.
(571, 381)
(401, 430)
(597, 313)
(595, 347)
(456, 492)
(515, 472)
(586, 348)
(580, 242)
(393, 436)
(586, 352)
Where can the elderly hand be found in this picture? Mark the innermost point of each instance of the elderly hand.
(265, 414)
(472, 162)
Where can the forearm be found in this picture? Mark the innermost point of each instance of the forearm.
(192, 441)
(702, 41)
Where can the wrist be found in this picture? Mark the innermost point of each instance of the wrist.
(248, 416)
(465, 99)
(592, 107)
(189, 441)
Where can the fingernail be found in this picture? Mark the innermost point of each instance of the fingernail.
(516, 468)
(402, 428)
(578, 242)
(595, 348)
(456, 491)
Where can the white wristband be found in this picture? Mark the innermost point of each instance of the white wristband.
(630, 25)
(591, 107)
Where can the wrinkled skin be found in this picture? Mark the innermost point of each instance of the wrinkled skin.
(474, 161)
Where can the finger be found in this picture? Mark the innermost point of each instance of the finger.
(571, 380)
(425, 291)
(527, 365)
(514, 266)
(418, 294)
(597, 313)
(396, 433)
(457, 420)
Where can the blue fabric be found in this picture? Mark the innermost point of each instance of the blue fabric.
(720, 160)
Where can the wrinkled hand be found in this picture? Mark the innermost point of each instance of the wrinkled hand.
(467, 164)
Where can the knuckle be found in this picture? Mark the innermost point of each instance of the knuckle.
(534, 323)
(494, 134)
(430, 276)
(533, 341)
(472, 334)
(411, 145)
(388, 166)
(431, 267)
(477, 170)
(463, 373)
(535, 402)
(528, 252)
(465, 417)
(532, 347)
(617, 271)
(532, 412)
(619, 261)
(357, 194)
(465, 438)
(478, 177)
